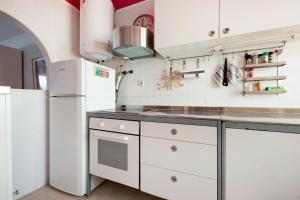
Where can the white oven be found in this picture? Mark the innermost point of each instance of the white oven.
(114, 150)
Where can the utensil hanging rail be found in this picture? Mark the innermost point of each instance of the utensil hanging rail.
(191, 57)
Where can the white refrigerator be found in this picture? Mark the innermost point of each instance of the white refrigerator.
(75, 87)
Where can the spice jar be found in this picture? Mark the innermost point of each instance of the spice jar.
(255, 59)
(259, 58)
(250, 73)
(259, 86)
(264, 58)
(248, 58)
(271, 56)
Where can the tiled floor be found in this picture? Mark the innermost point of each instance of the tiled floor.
(107, 191)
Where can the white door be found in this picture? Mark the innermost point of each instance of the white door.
(66, 78)
(179, 22)
(68, 144)
(5, 151)
(262, 165)
(253, 16)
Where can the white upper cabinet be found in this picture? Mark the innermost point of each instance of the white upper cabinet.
(194, 27)
(179, 23)
(240, 17)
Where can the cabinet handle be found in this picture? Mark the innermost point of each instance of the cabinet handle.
(226, 30)
(211, 33)
(174, 179)
(174, 148)
(174, 131)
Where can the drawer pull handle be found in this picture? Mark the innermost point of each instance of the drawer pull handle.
(226, 30)
(211, 33)
(174, 131)
(174, 148)
(174, 179)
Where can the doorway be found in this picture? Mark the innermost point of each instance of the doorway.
(22, 64)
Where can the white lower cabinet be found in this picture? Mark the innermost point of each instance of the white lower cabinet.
(262, 165)
(175, 169)
(5, 148)
(174, 185)
(192, 158)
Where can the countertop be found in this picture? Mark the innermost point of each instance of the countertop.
(4, 90)
(250, 115)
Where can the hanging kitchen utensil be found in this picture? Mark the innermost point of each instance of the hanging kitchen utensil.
(225, 71)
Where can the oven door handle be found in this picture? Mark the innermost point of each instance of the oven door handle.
(112, 137)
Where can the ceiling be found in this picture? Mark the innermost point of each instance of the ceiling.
(118, 4)
(8, 29)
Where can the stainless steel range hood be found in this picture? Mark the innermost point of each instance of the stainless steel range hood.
(133, 42)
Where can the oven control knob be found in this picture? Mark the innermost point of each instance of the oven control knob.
(101, 124)
(122, 126)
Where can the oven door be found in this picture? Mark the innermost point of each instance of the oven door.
(115, 156)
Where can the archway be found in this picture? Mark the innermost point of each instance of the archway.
(23, 58)
(32, 36)
(54, 25)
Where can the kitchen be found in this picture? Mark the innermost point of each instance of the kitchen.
(206, 103)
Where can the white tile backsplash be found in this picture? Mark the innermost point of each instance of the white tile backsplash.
(162, 100)
(203, 91)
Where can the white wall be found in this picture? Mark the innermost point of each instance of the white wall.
(29, 140)
(127, 15)
(55, 23)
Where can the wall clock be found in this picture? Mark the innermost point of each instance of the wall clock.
(146, 21)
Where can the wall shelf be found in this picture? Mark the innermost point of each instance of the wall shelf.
(264, 65)
(265, 78)
(265, 92)
(276, 78)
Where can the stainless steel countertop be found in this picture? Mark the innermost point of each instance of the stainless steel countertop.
(232, 114)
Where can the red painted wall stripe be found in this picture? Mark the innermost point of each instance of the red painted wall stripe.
(75, 3)
(118, 4)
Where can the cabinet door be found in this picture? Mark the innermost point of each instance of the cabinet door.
(179, 22)
(253, 16)
(262, 165)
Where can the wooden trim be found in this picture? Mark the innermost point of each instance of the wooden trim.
(265, 78)
(264, 65)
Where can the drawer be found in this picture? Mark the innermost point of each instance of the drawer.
(190, 133)
(192, 158)
(175, 185)
(131, 127)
